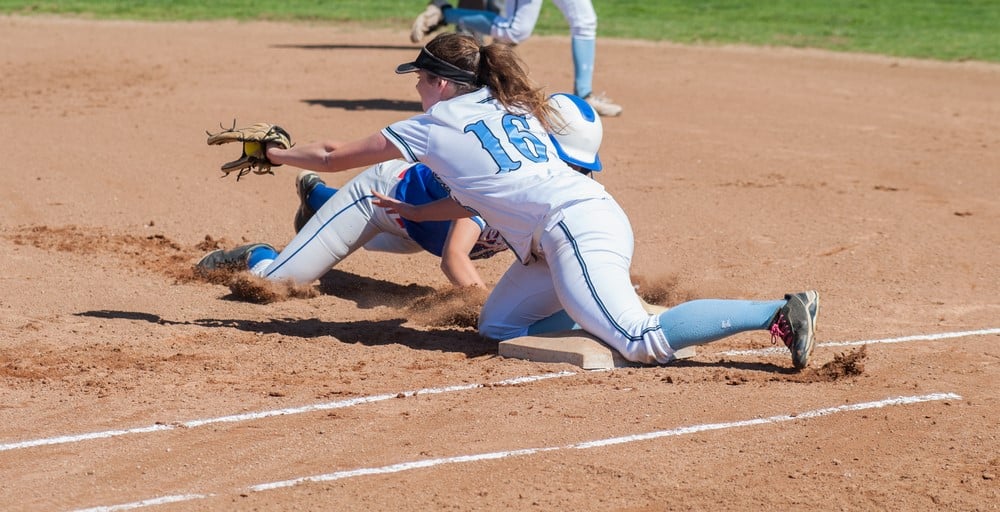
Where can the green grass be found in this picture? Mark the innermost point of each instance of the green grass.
(940, 29)
(934, 29)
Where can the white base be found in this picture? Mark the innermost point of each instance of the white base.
(574, 347)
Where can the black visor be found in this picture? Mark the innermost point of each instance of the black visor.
(427, 61)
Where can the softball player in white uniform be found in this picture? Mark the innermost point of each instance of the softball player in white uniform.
(345, 220)
(516, 25)
(483, 138)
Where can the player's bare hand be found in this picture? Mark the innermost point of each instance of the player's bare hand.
(384, 201)
(405, 210)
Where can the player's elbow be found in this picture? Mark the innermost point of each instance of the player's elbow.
(327, 162)
(461, 273)
(446, 269)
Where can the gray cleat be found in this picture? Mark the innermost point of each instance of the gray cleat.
(233, 259)
(304, 185)
(795, 325)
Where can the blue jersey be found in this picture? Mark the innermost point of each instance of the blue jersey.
(419, 186)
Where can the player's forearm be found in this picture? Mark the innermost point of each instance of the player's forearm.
(330, 156)
(461, 272)
(442, 209)
(455, 261)
(309, 156)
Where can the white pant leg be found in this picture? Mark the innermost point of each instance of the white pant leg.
(523, 296)
(344, 223)
(393, 243)
(580, 16)
(518, 21)
(589, 254)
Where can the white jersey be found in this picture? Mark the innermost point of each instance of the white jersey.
(501, 166)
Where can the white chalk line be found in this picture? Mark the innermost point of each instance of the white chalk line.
(369, 399)
(163, 500)
(919, 337)
(268, 414)
(427, 463)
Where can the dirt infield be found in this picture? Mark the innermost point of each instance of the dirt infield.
(747, 173)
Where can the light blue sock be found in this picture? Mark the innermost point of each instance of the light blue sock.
(583, 66)
(558, 321)
(470, 20)
(319, 195)
(700, 321)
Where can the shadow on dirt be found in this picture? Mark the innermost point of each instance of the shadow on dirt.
(366, 332)
(367, 292)
(758, 367)
(846, 365)
(372, 104)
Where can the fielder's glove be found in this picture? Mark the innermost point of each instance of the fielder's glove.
(254, 139)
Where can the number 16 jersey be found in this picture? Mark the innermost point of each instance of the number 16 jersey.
(500, 165)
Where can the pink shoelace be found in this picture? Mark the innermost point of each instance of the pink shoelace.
(781, 329)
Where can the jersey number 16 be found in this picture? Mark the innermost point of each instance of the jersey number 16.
(518, 134)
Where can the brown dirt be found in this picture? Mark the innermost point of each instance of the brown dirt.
(747, 173)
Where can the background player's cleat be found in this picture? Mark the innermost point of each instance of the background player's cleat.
(603, 105)
(233, 259)
(304, 185)
(795, 324)
(428, 21)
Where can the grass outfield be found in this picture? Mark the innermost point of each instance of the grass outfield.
(934, 29)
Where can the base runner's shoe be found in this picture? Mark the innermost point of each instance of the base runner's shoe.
(428, 21)
(233, 259)
(305, 183)
(795, 324)
(603, 105)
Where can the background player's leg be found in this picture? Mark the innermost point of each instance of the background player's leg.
(583, 66)
(582, 20)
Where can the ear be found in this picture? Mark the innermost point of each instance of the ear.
(446, 88)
